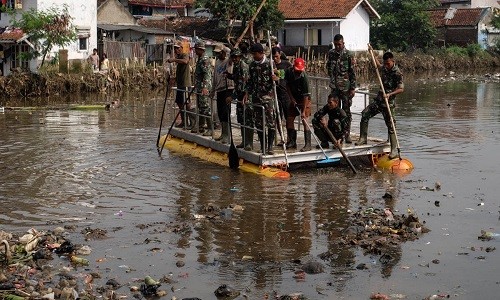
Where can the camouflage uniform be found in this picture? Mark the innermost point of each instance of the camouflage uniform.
(392, 80)
(337, 123)
(203, 80)
(340, 68)
(240, 75)
(260, 88)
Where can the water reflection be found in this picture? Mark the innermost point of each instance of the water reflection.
(84, 166)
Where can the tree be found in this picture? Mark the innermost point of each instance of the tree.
(269, 18)
(495, 19)
(403, 24)
(46, 29)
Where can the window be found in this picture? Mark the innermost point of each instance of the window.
(312, 36)
(83, 34)
(17, 59)
(83, 43)
(12, 4)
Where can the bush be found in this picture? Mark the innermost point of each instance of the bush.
(474, 50)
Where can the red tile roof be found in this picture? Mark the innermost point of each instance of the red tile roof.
(462, 17)
(466, 17)
(161, 3)
(11, 34)
(320, 9)
(437, 17)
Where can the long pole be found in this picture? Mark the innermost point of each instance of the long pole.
(337, 144)
(386, 100)
(271, 63)
(242, 35)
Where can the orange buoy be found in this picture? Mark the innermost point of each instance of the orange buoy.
(397, 165)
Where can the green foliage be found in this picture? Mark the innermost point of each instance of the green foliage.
(474, 50)
(269, 18)
(46, 29)
(404, 25)
(495, 19)
(456, 50)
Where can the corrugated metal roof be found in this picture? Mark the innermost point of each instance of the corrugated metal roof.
(138, 28)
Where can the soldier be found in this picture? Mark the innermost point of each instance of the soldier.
(392, 79)
(337, 121)
(183, 81)
(260, 88)
(297, 85)
(244, 113)
(203, 85)
(340, 69)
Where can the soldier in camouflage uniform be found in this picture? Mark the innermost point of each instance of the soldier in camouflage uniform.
(337, 121)
(392, 79)
(203, 85)
(244, 113)
(340, 68)
(260, 88)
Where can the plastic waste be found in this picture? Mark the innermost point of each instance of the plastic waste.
(488, 235)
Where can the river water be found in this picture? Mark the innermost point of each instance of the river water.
(101, 169)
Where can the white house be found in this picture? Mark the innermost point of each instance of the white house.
(316, 22)
(13, 42)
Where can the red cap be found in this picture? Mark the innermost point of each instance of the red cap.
(299, 64)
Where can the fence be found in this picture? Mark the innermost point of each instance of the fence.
(127, 51)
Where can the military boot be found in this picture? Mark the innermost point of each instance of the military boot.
(224, 137)
(191, 115)
(394, 146)
(307, 139)
(248, 139)
(197, 127)
(292, 144)
(270, 140)
(363, 134)
(209, 130)
(347, 135)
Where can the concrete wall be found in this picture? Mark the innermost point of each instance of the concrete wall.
(113, 12)
(356, 30)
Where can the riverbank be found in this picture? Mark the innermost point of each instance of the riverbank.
(51, 83)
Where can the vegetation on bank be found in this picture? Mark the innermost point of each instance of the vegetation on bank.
(80, 79)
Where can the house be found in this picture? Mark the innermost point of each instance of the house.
(161, 8)
(116, 23)
(462, 26)
(316, 22)
(13, 41)
(469, 3)
(121, 37)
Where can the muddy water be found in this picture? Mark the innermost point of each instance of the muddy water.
(100, 169)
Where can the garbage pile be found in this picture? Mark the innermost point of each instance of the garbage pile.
(47, 265)
(378, 231)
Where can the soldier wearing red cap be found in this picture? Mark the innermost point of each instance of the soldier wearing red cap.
(297, 84)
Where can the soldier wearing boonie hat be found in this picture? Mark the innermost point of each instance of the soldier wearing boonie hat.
(260, 90)
(203, 85)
